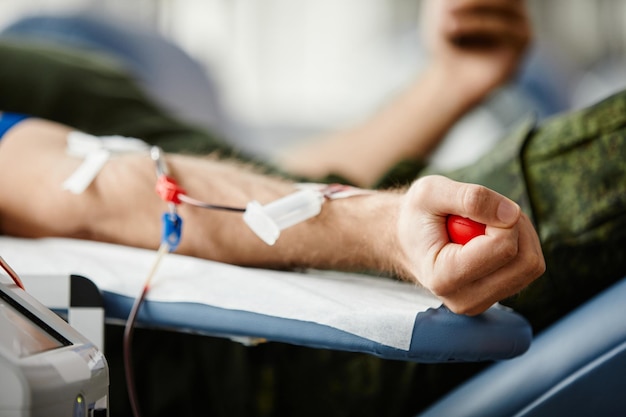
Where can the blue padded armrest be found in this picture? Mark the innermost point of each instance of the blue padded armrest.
(438, 334)
(350, 312)
(575, 368)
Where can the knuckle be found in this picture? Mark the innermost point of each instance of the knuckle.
(441, 287)
(535, 264)
(473, 197)
(449, 284)
(539, 266)
(424, 187)
(509, 250)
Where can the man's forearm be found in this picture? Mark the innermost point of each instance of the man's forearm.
(333, 239)
(409, 127)
(121, 206)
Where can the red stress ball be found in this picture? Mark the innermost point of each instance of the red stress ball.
(461, 229)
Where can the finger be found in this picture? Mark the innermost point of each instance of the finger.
(513, 9)
(486, 30)
(458, 266)
(493, 21)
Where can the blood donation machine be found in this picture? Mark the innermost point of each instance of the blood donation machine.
(46, 367)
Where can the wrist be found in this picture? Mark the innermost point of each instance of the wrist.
(364, 229)
(451, 90)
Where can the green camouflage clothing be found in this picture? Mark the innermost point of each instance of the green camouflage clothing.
(569, 175)
(92, 92)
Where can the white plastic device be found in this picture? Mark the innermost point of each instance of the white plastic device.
(267, 221)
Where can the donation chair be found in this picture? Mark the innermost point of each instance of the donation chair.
(577, 367)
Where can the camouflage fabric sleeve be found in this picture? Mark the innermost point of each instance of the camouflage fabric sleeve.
(91, 92)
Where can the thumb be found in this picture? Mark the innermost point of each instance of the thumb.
(442, 196)
(507, 212)
(486, 206)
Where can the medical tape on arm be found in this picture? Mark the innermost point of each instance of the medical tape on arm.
(96, 151)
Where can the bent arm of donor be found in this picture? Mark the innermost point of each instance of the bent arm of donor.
(399, 232)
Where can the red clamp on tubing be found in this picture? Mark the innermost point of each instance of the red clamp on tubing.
(461, 229)
(168, 189)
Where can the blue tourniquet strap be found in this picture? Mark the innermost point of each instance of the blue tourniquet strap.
(8, 120)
